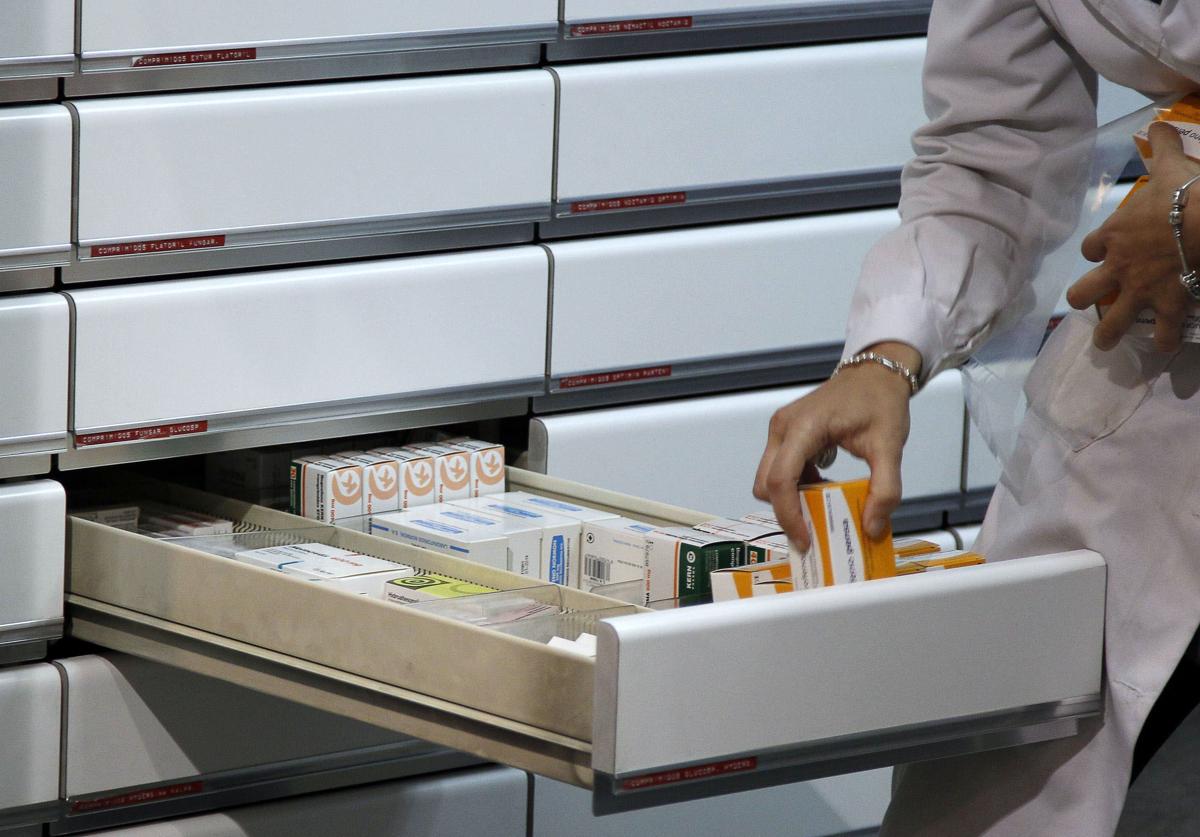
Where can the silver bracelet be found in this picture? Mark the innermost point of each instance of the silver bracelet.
(1188, 277)
(886, 362)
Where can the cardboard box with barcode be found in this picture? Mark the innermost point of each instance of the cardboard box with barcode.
(319, 562)
(840, 551)
(161, 520)
(752, 580)
(558, 558)
(326, 488)
(1184, 117)
(937, 561)
(501, 542)
(614, 551)
(380, 480)
(751, 533)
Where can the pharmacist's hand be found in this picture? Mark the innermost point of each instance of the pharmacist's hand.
(864, 410)
(1140, 261)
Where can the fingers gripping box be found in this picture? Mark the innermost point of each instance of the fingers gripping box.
(417, 476)
(840, 551)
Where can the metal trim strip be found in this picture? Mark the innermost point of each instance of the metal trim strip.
(37, 67)
(862, 751)
(30, 815)
(28, 258)
(846, 11)
(41, 630)
(34, 444)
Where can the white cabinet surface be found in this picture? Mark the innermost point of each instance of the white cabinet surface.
(35, 170)
(686, 298)
(259, 348)
(32, 553)
(36, 329)
(30, 711)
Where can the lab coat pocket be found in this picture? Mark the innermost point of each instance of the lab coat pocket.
(1082, 393)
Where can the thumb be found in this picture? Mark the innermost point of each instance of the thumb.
(1165, 145)
(883, 496)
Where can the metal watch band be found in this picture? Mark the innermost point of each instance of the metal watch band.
(886, 362)
(1188, 277)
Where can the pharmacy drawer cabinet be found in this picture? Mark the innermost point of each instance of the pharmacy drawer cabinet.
(738, 133)
(484, 800)
(33, 392)
(703, 452)
(143, 44)
(31, 697)
(144, 741)
(35, 215)
(32, 549)
(37, 46)
(191, 181)
(644, 309)
(186, 360)
(1008, 677)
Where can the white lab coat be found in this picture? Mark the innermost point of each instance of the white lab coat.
(1114, 437)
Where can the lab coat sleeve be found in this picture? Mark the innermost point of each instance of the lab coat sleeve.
(1003, 92)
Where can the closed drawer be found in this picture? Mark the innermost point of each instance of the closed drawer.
(521, 702)
(35, 215)
(32, 553)
(189, 43)
(38, 39)
(205, 356)
(222, 173)
(450, 805)
(740, 296)
(704, 452)
(641, 138)
(137, 731)
(30, 729)
(33, 408)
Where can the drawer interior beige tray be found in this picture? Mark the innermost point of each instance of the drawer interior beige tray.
(677, 704)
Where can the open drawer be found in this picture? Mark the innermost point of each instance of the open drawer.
(678, 704)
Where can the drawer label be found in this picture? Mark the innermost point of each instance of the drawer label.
(139, 797)
(690, 774)
(623, 376)
(629, 202)
(211, 56)
(168, 245)
(631, 27)
(138, 434)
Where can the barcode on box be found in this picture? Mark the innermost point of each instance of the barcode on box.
(597, 569)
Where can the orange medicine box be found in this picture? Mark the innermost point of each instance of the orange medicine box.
(940, 561)
(840, 551)
(752, 580)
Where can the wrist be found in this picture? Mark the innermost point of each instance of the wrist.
(891, 365)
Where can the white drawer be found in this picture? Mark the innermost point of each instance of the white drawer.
(31, 702)
(37, 39)
(35, 215)
(451, 805)
(703, 452)
(32, 553)
(139, 731)
(1025, 662)
(261, 350)
(647, 135)
(33, 405)
(740, 296)
(133, 44)
(223, 172)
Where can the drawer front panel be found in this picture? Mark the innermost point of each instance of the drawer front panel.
(33, 407)
(38, 38)
(35, 215)
(675, 128)
(734, 290)
(31, 697)
(248, 348)
(32, 552)
(260, 166)
(704, 452)
(143, 29)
